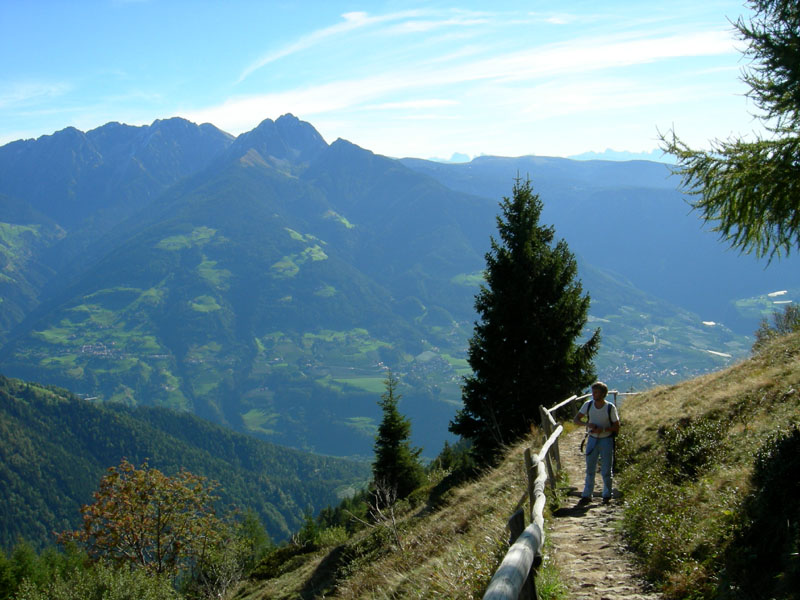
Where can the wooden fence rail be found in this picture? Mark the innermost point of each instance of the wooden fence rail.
(515, 578)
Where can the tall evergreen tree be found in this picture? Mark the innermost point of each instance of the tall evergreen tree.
(396, 467)
(524, 350)
(750, 190)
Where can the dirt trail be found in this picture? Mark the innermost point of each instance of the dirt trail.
(584, 541)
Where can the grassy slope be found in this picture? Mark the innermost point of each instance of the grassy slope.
(686, 460)
(682, 530)
(450, 552)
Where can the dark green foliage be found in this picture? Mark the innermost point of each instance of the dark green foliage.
(255, 539)
(24, 563)
(100, 582)
(455, 458)
(764, 562)
(690, 445)
(655, 519)
(308, 532)
(279, 561)
(459, 466)
(396, 467)
(750, 190)
(350, 513)
(56, 447)
(524, 350)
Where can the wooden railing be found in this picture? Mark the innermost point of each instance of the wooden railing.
(515, 578)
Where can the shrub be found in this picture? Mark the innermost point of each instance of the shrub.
(764, 561)
(102, 582)
(332, 536)
(782, 323)
(279, 561)
(691, 445)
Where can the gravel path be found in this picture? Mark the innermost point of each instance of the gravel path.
(584, 541)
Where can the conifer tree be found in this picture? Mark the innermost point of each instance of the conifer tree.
(750, 190)
(524, 350)
(396, 467)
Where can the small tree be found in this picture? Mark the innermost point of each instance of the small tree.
(143, 518)
(783, 323)
(524, 349)
(750, 190)
(396, 465)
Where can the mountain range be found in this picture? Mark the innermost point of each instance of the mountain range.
(269, 281)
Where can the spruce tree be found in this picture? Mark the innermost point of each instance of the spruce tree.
(396, 467)
(524, 350)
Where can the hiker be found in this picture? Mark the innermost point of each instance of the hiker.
(602, 424)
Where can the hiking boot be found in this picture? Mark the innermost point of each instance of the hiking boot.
(584, 501)
(607, 500)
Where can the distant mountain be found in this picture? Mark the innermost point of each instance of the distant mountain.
(243, 294)
(55, 447)
(268, 282)
(629, 218)
(616, 155)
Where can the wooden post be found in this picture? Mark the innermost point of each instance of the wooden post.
(544, 419)
(548, 463)
(516, 525)
(531, 471)
(556, 451)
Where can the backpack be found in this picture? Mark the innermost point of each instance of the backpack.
(613, 433)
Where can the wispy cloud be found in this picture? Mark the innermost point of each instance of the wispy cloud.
(527, 66)
(17, 94)
(397, 23)
(413, 104)
(428, 25)
(352, 21)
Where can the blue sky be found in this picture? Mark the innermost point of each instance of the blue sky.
(428, 79)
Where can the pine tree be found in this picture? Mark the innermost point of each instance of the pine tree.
(750, 190)
(396, 467)
(531, 312)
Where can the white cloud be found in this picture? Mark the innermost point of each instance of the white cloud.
(467, 75)
(427, 25)
(26, 92)
(352, 21)
(413, 104)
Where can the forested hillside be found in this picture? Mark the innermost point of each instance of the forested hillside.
(55, 447)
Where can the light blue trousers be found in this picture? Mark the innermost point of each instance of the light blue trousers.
(599, 449)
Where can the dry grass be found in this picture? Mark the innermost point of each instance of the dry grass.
(450, 552)
(681, 523)
(755, 396)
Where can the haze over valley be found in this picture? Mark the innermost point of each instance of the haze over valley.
(269, 281)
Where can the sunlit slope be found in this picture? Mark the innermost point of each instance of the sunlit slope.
(711, 499)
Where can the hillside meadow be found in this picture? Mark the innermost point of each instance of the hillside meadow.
(710, 473)
(698, 464)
